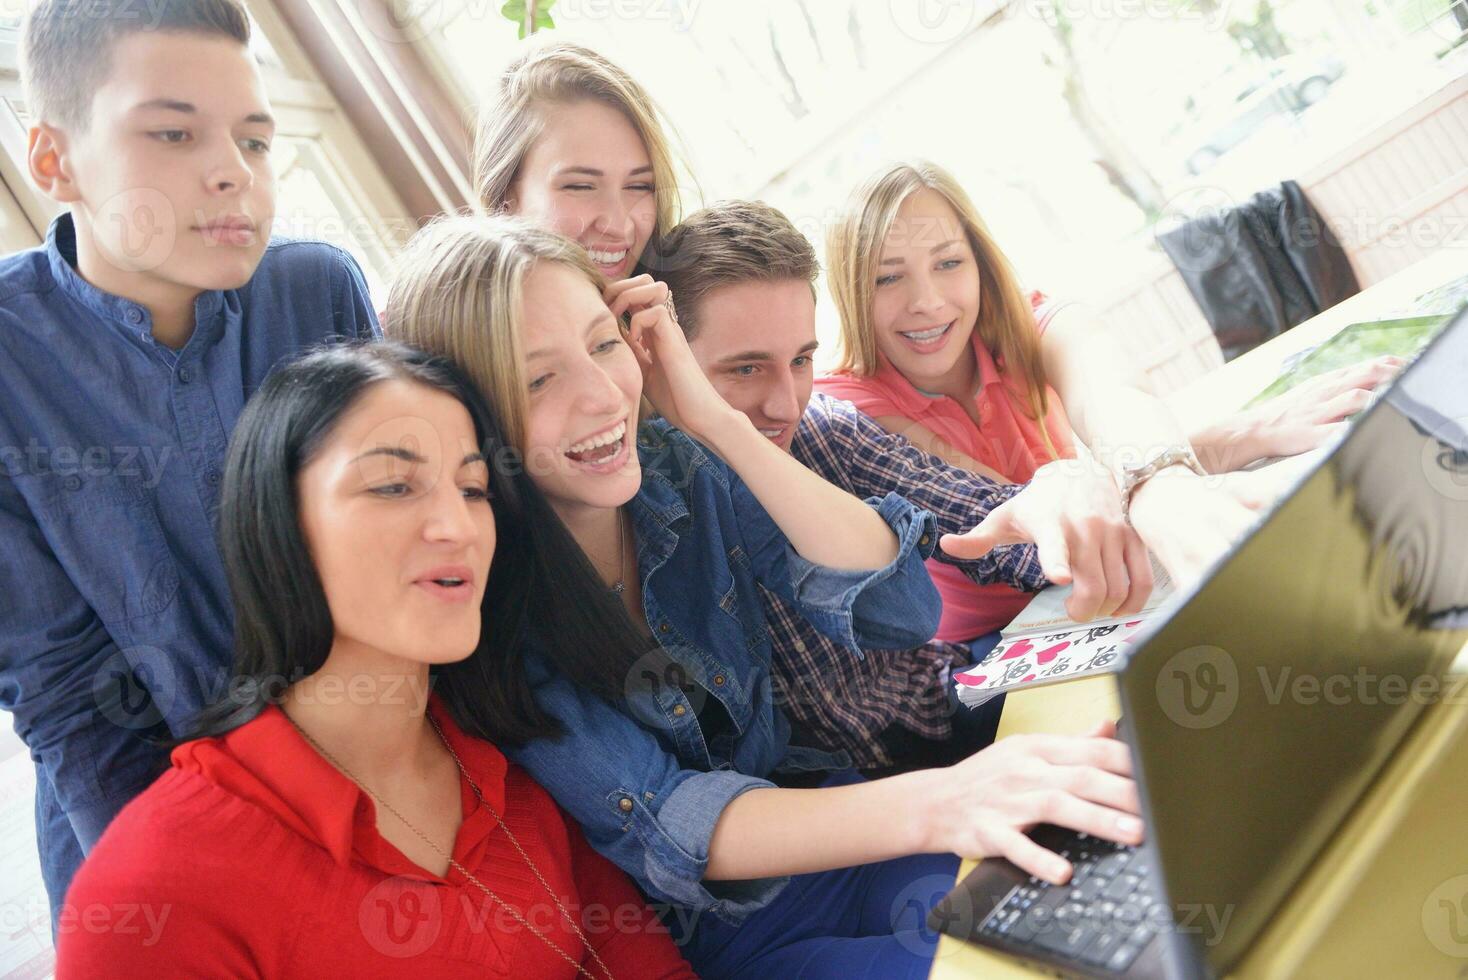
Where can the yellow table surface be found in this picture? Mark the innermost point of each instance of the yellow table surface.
(1077, 706)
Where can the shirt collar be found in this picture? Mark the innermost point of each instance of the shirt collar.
(284, 773)
(133, 318)
(665, 470)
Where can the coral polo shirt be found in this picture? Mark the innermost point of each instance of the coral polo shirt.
(1007, 441)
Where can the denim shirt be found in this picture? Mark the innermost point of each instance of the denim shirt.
(116, 617)
(639, 775)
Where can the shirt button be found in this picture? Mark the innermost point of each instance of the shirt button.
(800, 646)
(663, 627)
(679, 710)
(213, 477)
(625, 804)
(184, 375)
(924, 540)
(718, 680)
(135, 316)
(72, 482)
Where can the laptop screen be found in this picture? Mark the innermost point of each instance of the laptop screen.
(1263, 706)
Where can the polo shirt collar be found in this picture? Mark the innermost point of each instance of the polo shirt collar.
(916, 401)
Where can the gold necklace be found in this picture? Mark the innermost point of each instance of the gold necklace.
(514, 912)
(620, 585)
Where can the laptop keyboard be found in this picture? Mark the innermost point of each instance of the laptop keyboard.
(1103, 917)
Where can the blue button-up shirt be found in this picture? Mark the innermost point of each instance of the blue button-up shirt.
(640, 776)
(116, 615)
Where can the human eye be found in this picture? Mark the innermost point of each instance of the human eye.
(391, 491)
(170, 136)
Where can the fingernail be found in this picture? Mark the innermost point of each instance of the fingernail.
(1129, 825)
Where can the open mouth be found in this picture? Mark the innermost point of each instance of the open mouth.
(609, 261)
(928, 340)
(776, 434)
(603, 452)
(451, 584)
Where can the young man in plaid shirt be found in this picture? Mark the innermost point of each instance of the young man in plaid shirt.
(744, 277)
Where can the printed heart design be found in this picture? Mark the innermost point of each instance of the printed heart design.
(1029, 678)
(1135, 622)
(1018, 650)
(1050, 653)
(970, 680)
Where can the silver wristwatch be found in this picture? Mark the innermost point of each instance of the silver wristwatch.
(1133, 477)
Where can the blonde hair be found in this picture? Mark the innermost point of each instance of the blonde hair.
(1006, 323)
(458, 292)
(561, 73)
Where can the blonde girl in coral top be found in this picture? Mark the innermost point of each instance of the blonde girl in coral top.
(940, 343)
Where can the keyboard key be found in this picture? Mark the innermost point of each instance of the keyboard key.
(1069, 942)
(1087, 891)
(1121, 887)
(1101, 948)
(1069, 912)
(1025, 927)
(1128, 916)
(1122, 958)
(1112, 864)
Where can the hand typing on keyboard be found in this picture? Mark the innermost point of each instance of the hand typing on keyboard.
(983, 806)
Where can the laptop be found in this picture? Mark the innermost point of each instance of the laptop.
(1260, 705)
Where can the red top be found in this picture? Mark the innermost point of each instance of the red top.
(254, 857)
(1008, 441)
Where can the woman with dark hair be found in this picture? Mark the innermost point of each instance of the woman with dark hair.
(334, 818)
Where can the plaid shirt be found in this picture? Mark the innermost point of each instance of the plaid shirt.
(840, 699)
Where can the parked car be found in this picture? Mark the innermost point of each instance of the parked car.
(1230, 109)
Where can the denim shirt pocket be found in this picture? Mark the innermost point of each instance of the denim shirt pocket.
(134, 573)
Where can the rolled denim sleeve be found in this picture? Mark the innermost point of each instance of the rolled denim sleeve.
(895, 607)
(635, 801)
(852, 451)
